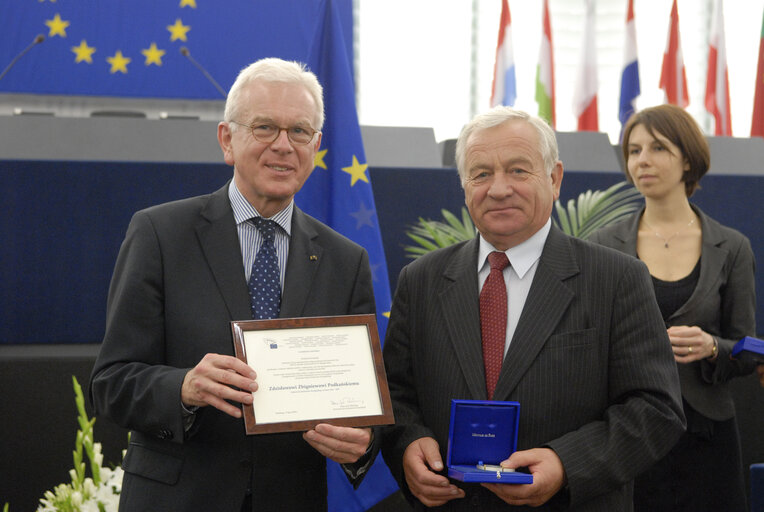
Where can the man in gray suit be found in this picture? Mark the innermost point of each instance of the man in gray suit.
(581, 343)
(166, 369)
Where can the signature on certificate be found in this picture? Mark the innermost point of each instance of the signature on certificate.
(348, 403)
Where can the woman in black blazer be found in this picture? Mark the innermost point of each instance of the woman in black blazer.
(704, 284)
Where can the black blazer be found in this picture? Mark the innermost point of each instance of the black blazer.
(589, 363)
(178, 282)
(723, 304)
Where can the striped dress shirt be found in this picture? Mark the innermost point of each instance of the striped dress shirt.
(250, 239)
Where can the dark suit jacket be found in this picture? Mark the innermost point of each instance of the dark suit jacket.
(723, 304)
(589, 363)
(178, 282)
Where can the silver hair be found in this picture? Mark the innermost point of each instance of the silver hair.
(275, 70)
(500, 115)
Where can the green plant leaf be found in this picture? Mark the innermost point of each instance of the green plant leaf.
(580, 217)
(430, 235)
(562, 216)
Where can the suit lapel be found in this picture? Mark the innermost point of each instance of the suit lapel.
(547, 301)
(461, 311)
(711, 264)
(220, 245)
(304, 257)
(627, 233)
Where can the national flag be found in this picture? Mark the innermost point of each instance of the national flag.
(757, 124)
(717, 78)
(339, 193)
(630, 75)
(673, 76)
(504, 89)
(545, 70)
(585, 91)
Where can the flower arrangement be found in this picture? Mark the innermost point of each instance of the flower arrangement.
(96, 493)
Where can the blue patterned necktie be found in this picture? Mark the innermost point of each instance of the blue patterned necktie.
(264, 282)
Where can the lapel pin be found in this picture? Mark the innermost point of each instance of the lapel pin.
(313, 257)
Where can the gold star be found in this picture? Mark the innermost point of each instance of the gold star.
(386, 314)
(188, 3)
(119, 62)
(153, 55)
(83, 52)
(57, 26)
(178, 31)
(357, 171)
(318, 160)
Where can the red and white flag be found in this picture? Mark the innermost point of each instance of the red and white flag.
(757, 124)
(585, 91)
(673, 76)
(717, 81)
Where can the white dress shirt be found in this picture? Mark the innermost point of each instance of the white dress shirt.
(518, 276)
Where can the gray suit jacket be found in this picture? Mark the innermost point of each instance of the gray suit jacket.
(589, 363)
(178, 283)
(723, 304)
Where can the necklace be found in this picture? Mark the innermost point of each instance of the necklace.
(666, 240)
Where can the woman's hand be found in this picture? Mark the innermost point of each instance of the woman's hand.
(691, 343)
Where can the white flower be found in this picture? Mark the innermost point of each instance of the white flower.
(77, 498)
(83, 494)
(90, 506)
(97, 455)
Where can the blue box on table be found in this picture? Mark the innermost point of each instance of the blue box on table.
(483, 433)
(749, 347)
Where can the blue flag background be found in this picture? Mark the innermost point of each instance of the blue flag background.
(342, 174)
(133, 49)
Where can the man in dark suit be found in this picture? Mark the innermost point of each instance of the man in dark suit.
(166, 369)
(581, 344)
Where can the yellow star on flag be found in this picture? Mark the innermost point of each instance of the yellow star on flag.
(318, 160)
(178, 31)
(386, 314)
(153, 55)
(188, 3)
(119, 62)
(83, 52)
(357, 171)
(57, 26)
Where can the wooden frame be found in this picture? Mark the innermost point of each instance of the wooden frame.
(314, 370)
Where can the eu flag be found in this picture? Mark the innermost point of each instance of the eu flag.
(342, 174)
(133, 48)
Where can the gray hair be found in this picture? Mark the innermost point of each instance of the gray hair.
(500, 115)
(275, 70)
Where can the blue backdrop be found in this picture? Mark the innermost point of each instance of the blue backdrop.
(132, 48)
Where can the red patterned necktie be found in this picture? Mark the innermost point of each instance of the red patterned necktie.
(493, 319)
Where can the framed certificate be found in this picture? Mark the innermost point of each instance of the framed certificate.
(313, 370)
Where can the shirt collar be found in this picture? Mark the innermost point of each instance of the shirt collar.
(243, 210)
(522, 256)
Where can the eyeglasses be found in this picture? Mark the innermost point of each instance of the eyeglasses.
(267, 133)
